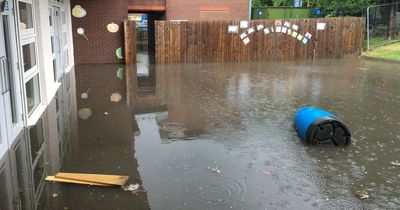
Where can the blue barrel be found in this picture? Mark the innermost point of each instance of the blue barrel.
(319, 127)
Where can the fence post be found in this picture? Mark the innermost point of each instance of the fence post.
(368, 28)
(130, 41)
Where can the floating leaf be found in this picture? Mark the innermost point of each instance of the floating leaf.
(362, 194)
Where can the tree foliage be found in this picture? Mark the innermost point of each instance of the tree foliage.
(328, 7)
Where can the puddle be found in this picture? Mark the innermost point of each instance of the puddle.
(221, 136)
(242, 115)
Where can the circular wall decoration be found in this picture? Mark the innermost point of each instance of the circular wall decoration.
(112, 27)
(118, 53)
(78, 11)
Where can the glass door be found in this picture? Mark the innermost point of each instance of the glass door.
(10, 75)
(4, 88)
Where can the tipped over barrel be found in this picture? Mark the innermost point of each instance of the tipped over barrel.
(319, 127)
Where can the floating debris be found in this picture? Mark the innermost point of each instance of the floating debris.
(115, 97)
(362, 194)
(395, 163)
(85, 113)
(215, 169)
(133, 188)
(55, 195)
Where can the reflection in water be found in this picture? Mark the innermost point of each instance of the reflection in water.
(241, 116)
(102, 144)
(220, 136)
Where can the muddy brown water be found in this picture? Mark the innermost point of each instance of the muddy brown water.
(221, 136)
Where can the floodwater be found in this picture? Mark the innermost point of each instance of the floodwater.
(221, 136)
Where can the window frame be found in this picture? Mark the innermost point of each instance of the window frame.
(31, 31)
(28, 36)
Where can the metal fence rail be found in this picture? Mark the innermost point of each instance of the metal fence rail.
(383, 24)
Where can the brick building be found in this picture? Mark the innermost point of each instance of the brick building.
(194, 9)
(101, 45)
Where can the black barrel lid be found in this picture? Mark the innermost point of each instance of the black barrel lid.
(328, 131)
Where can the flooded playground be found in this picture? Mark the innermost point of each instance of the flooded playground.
(221, 136)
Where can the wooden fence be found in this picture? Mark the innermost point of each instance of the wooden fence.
(130, 41)
(209, 41)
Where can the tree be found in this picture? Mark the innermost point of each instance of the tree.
(261, 3)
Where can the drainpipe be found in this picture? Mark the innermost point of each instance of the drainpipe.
(250, 1)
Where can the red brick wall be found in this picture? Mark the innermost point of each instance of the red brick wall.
(207, 9)
(101, 46)
(147, 2)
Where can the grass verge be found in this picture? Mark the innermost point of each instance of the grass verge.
(387, 52)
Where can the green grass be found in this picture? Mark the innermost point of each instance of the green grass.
(388, 52)
(378, 41)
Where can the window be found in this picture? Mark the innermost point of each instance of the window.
(36, 138)
(36, 142)
(65, 38)
(50, 17)
(38, 173)
(63, 20)
(21, 175)
(66, 59)
(52, 44)
(32, 93)
(29, 56)
(25, 16)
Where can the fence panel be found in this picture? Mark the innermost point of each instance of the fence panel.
(298, 39)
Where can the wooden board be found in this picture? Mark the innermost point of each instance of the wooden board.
(55, 179)
(209, 41)
(95, 178)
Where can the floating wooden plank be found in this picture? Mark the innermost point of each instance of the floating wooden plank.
(55, 179)
(95, 178)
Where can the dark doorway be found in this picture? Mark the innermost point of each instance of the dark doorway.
(145, 57)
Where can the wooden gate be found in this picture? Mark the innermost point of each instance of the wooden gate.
(209, 41)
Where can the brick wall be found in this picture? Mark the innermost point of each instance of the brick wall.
(207, 9)
(101, 46)
(147, 2)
